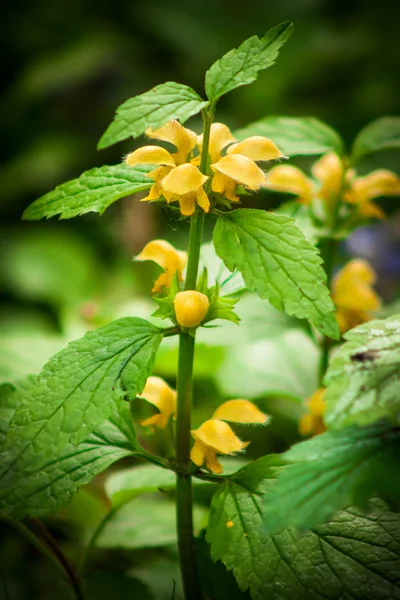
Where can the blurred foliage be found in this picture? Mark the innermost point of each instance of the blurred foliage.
(66, 66)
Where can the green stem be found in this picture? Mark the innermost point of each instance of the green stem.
(184, 497)
(50, 549)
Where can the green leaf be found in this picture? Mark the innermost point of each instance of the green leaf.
(123, 486)
(354, 556)
(241, 66)
(382, 134)
(10, 395)
(54, 476)
(93, 191)
(295, 136)
(278, 263)
(152, 109)
(284, 364)
(146, 522)
(76, 391)
(332, 471)
(363, 376)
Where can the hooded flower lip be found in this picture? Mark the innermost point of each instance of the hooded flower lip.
(158, 393)
(216, 437)
(328, 174)
(167, 257)
(240, 411)
(238, 166)
(353, 295)
(362, 190)
(174, 178)
(313, 421)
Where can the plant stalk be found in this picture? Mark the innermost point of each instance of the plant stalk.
(184, 496)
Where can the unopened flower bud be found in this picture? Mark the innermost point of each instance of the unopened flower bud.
(190, 308)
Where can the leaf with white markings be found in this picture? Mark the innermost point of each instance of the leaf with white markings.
(363, 376)
(332, 471)
(354, 556)
(93, 191)
(295, 136)
(152, 109)
(241, 66)
(278, 263)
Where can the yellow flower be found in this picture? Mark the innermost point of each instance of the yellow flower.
(158, 393)
(329, 177)
(353, 295)
(238, 166)
(313, 421)
(326, 182)
(362, 190)
(190, 308)
(171, 260)
(216, 437)
(175, 178)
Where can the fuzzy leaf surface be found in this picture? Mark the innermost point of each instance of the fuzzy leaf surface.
(363, 377)
(75, 393)
(354, 556)
(152, 109)
(332, 471)
(382, 134)
(93, 191)
(49, 483)
(295, 136)
(240, 66)
(278, 263)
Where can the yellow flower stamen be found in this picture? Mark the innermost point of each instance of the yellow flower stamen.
(168, 258)
(158, 393)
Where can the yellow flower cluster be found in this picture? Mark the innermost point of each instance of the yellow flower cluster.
(353, 295)
(177, 177)
(215, 436)
(330, 179)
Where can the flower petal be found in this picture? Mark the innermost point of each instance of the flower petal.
(212, 462)
(218, 435)
(183, 179)
(329, 171)
(241, 169)
(158, 393)
(221, 184)
(378, 183)
(183, 139)
(286, 178)
(351, 287)
(240, 411)
(167, 257)
(187, 204)
(220, 136)
(198, 453)
(150, 155)
(202, 200)
(256, 147)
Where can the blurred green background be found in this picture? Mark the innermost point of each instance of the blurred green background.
(66, 67)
